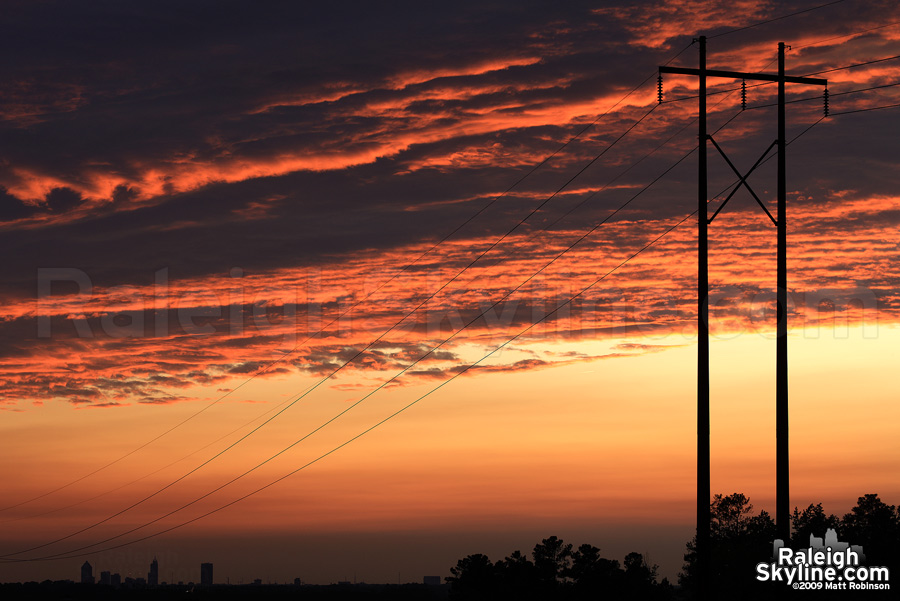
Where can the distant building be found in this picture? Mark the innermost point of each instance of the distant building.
(206, 574)
(115, 579)
(87, 574)
(105, 578)
(153, 575)
(432, 580)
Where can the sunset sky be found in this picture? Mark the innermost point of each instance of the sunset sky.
(238, 236)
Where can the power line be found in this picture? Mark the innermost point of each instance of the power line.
(799, 12)
(872, 62)
(321, 381)
(404, 370)
(444, 239)
(355, 356)
(576, 175)
(264, 369)
(272, 363)
(862, 110)
(402, 409)
(866, 110)
(622, 173)
(596, 158)
(74, 553)
(132, 506)
(887, 85)
(144, 477)
(846, 35)
(831, 95)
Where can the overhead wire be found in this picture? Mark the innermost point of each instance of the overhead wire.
(591, 196)
(608, 217)
(264, 369)
(70, 555)
(309, 390)
(846, 35)
(502, 299)
(819, 97)
(313, 387)
(794, 14)
(863, 64)
(76, 553)
(269, 365)
(384, 384)
(865, 110)
(518, 181)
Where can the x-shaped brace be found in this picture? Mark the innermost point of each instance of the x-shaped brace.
(743, 180)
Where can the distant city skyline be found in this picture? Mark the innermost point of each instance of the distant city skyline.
(107, 577)
(206, 578)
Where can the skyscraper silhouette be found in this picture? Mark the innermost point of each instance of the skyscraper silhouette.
(153, 575)
(206, 574)
(87, 573)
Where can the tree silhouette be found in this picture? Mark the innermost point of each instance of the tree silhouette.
(474, 577)
(639, 580)
(811, 521)
(738, 541)
(876, 526)
(552, 558)
(637, 570)
(592, 575)
(517, 576)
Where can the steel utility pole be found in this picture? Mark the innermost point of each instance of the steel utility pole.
(782, 461)
(703, 475)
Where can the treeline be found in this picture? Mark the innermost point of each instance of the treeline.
(556, 571)
(739, 540)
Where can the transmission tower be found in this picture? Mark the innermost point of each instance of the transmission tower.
(782, 460)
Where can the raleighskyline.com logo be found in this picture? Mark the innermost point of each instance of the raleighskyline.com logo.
(828, 564)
